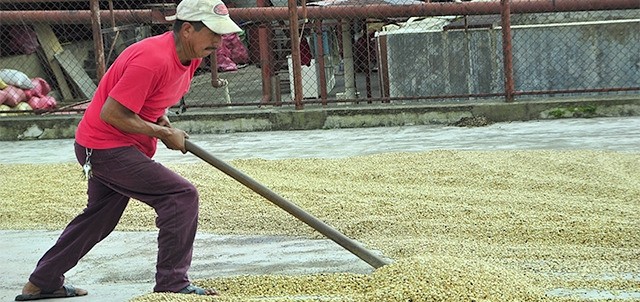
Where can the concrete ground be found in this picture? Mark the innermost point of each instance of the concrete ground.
(122, 266)
(614, 133)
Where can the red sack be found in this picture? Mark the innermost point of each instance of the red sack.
(223, 58)
(3, 96)
(42, 103)
(40, 88)
(305, 52)
(50, 101)
(239, 53)
(15, 95)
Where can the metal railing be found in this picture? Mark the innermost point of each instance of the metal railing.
(297, 53)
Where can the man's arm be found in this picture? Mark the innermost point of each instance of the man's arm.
(126, 120)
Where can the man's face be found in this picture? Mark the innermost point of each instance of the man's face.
(202, 42)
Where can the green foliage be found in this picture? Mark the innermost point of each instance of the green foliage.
(580, 111)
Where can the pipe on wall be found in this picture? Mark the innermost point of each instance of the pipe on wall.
(80, 16)
(328, 12)
(432, 9)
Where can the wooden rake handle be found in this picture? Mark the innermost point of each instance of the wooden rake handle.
(326, 230)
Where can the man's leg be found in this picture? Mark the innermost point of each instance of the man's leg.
(175, 201)
(97, 221)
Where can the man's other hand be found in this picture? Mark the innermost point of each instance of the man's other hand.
(175, 140)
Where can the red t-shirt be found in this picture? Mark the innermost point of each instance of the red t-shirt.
(147, 78)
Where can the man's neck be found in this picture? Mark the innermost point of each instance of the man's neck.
(181, 51)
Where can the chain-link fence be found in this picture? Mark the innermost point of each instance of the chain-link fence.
(52, 53)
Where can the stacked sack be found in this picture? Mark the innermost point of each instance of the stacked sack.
(231, 53)
(18, 92)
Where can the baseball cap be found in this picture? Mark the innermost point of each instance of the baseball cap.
(213, 13)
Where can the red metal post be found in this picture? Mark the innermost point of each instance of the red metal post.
(383, 67)
(368, 61)
(266, 62)
(98, 43)
(507, 55)
(320, 61)
(213, 65)
(295, 53)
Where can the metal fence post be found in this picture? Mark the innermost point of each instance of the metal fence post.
(507, 55)
(295, 53)
(97, 39)
(320, 61)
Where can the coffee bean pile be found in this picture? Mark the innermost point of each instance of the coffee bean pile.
(457, 225)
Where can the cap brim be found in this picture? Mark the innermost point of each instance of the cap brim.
(171, 18)
(222, 26)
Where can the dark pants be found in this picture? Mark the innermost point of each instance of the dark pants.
(120, 174)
